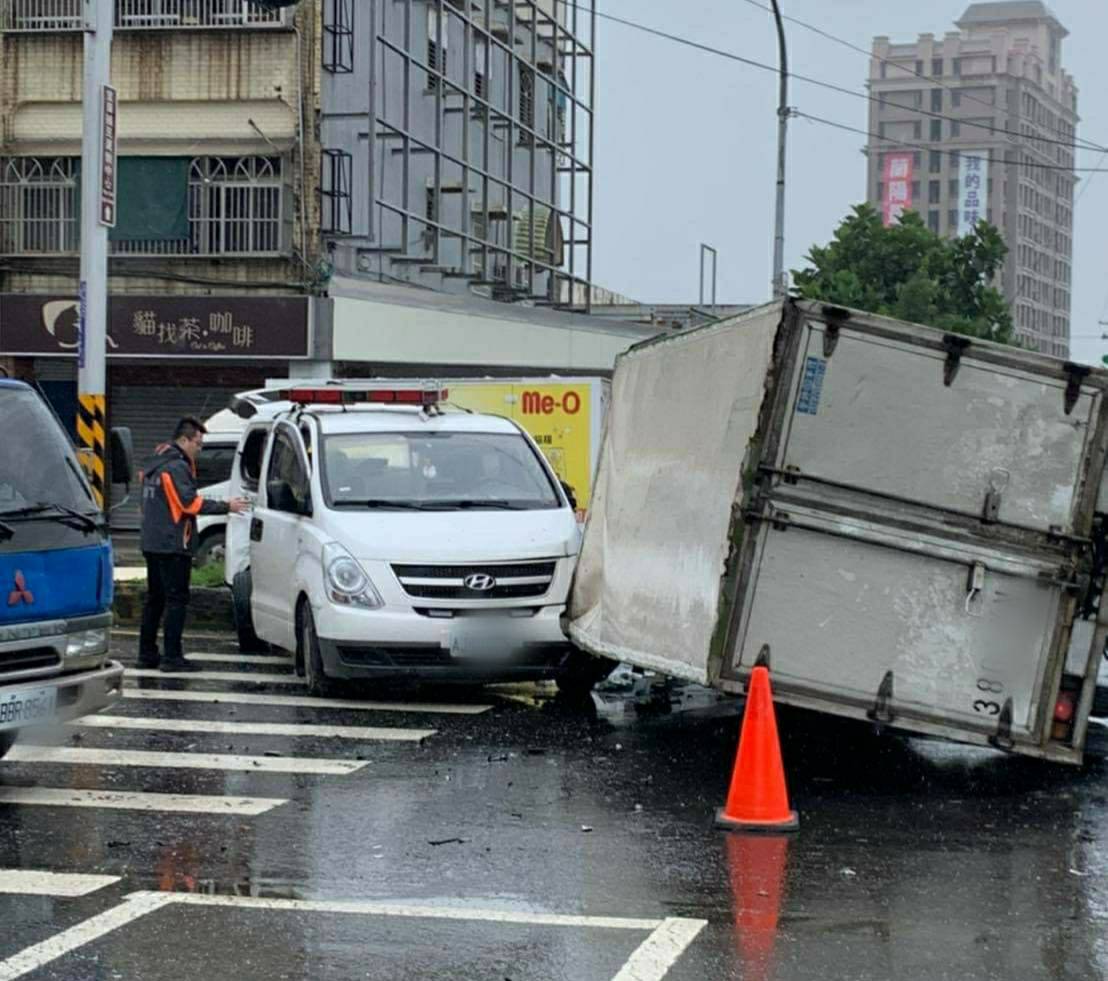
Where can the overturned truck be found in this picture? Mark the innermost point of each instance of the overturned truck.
(907, 525)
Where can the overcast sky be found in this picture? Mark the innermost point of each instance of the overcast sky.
(686, 142)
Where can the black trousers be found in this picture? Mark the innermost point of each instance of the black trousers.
(167, 593)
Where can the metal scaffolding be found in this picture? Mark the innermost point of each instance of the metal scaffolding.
(481, 135)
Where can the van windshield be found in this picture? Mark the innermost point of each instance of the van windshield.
(435, 472)
(37, 464)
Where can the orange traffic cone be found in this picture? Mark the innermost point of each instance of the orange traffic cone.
(758, 799)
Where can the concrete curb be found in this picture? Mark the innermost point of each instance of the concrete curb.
(209, 607)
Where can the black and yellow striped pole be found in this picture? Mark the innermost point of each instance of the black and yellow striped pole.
(92, 433)
(98, 203)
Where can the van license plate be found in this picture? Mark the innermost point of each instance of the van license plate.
(482, 642)
(28, 707)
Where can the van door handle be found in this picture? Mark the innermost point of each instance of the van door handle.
(256, 528)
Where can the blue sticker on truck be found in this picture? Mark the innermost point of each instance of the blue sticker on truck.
(811, 387)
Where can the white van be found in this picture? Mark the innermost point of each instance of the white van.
(392, 538)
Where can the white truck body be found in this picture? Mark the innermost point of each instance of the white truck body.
(904, 523)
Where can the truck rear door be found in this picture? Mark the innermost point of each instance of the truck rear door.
(918, 532)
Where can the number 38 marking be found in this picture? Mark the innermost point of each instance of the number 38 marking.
(990, 687)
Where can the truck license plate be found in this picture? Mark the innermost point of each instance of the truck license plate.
(27, 707)
(482, 641)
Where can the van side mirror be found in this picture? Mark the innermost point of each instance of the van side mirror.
(281, 497)
(569, 493)
(122, 455)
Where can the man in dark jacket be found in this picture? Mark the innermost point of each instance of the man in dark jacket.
(170, 504)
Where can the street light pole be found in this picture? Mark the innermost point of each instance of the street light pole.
(98, 202)
(780, 283)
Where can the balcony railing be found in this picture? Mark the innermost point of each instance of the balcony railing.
(41, 16)
(237, 206)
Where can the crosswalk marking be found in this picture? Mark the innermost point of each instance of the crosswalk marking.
(60, 885)
(366, 733)
(256, 677)
(82, 755)
(273, 661)
(122, 801)
(302, 701)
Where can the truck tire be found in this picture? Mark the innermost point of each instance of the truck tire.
(7, 741)
(582, 673)
(307, 640)
(241, 587)
(1100, 702)
(210, 550)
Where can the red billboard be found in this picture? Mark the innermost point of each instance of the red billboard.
(897, 175)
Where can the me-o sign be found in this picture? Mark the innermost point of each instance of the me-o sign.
(108, 141)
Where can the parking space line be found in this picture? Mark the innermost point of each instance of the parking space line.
(257, 677)
(654, 957)
(124, 801)
(33, 957)
(60, 885)
(273, 661)
(300, 701)
(321, 731)
(86, 756)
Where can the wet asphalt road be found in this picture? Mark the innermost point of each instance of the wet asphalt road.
(446, 857)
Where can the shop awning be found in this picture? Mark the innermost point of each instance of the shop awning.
(169, 128)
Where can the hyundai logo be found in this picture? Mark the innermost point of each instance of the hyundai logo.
(479, 582)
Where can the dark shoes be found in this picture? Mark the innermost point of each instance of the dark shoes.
(180, 667)
(150, 663)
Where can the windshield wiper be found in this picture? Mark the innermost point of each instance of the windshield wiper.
(383, 504)
(87, 521)
(494, 503)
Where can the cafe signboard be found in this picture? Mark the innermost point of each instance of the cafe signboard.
(163, 326)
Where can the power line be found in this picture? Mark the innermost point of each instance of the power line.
(831, 86)
(964, 93)
(934, 149)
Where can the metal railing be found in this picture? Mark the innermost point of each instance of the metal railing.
(38, 16)
(237, 206)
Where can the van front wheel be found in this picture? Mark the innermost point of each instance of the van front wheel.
(581, 673)
(318, 683)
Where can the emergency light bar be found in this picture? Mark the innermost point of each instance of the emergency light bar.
(425, 395)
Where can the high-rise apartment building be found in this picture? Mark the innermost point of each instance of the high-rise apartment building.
(980, 124)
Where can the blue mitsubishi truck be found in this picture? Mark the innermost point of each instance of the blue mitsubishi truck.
(55, 572)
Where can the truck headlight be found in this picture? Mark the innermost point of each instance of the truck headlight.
(84, 643)
(346, 581)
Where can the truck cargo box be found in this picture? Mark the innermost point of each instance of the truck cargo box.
(903, 522)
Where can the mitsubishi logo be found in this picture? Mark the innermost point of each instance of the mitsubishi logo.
(21, 594)
(479, 582)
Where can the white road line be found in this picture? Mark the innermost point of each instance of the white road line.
(121, 801)
(667, 941)
(654, 957)
(460, 912)
(31, 958)
(273, 662)
(366, 733)
(82, 755)
(257, 677)
(61, 885)
(300, 701)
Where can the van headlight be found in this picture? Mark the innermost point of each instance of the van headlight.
(84, 643)
(346, 581)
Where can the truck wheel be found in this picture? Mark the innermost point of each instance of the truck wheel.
(211, 550)
(7, 741)
(1100, 702)
(581, 673)
(241, 588)
(318, 683)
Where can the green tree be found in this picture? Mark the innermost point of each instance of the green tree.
(909, 272)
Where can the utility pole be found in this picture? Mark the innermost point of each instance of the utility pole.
(780, 284)
(98, 204)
